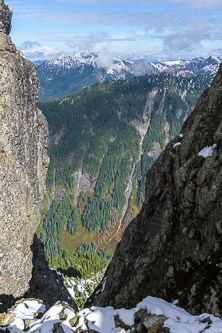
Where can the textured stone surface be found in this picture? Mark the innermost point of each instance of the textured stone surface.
(23, 164)
(6, 319)
(173, 248)
(5, 18)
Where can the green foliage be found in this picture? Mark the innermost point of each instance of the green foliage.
(155, 133)
(45, 206)
(80, 264)
(58, 216)
(92, 132)
(91, 248)
(73, 222)
(143, 167)
(115, 169)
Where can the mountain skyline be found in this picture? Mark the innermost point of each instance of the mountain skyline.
(158, 30)
(62, 76)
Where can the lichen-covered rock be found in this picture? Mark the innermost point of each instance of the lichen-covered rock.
(23, 164)
(5, 18)
(147, 322)
(6, 319)
(173, 248)
(154, 322)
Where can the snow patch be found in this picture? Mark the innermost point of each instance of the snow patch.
(103, 284)
(102, 320)
(27, 309)
(207, 151)
(176, 144)
(127, 316)
(52, 269)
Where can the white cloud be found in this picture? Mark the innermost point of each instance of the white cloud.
(177, 26)
(13, 3)
(197, 4)
(190, 34)
(95, 38)
(104, 60)
(42, 53)
(185, 41)
(87, 2)
(84, 43)
(27, 45)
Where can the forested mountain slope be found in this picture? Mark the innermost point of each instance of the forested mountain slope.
(102, 142)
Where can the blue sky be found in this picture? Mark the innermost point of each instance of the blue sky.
(157, 29)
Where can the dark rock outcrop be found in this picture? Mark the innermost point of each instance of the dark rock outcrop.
(46, 284)
(173, 248)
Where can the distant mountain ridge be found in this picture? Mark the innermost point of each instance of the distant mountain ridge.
(65, 75)
(198, 66)
(111, 66)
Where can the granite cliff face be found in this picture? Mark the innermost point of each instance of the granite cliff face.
(173, 248)
(5, 18)
(23, 163)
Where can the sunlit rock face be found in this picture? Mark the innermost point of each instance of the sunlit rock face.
(23, 162)
(5, 18)
(173, 248)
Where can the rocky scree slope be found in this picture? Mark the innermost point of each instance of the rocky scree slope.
(23, 165)
(173, 249)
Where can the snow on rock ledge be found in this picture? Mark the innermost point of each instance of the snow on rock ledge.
(150, 315)
(207, 151)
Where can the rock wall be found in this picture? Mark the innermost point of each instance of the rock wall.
(5, 18)
(23, 163)
(173, 248)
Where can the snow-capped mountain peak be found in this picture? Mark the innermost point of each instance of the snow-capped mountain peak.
(198, 66)
(79, 71)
